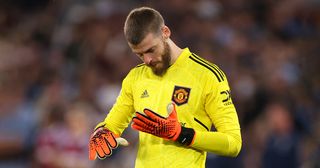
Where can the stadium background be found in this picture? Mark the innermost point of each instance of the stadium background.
(62, 62)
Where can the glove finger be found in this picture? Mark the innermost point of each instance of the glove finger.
(92, 151)
(109, 137)
(122, 141)
(143, 124)
(135, 126)
(139, 128)
(171, 108)
(145, 119)
(153, 116)
(100, 152)
(104, 146)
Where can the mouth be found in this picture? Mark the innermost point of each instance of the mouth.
(154, 64)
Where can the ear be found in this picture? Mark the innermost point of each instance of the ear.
(166, 33)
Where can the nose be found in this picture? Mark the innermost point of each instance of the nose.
(147, 59)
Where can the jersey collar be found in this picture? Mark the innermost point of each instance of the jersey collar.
(184, 55)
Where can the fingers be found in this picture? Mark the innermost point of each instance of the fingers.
(170, 107)
(145, 124)
(102, 143)
(92, 151)
(102, 153)
(103, 146)
(99, 147)
(153, 116)
(140, 128)
(172, 110)
(145, 119)
(110, 139)
(122, 141)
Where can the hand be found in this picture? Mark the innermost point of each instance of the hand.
(102, 141)
(152, 123)
(167, 128)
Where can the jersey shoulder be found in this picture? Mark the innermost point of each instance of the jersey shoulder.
(138, 68)
(211, 70)
(136, 72)
(140, 65)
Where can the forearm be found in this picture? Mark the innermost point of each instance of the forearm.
(118, 119)
(122, 111)
(225, 144)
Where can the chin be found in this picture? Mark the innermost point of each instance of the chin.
(159, 69)
(159, 72)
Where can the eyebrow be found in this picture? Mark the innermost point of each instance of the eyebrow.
(147, 50)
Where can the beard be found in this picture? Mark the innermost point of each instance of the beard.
(160, 68)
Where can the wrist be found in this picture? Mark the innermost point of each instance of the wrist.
(186, 136)
(100, 125)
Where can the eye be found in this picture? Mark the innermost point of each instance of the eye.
(151, 50)
(140, 55)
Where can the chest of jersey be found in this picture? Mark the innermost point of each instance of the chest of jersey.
(156, 93)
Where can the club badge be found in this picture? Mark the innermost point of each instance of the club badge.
(180, 95)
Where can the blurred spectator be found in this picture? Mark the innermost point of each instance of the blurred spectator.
(62, 141)
(18, 117)
(282, 145)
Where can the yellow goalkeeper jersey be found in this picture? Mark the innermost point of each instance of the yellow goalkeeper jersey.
(202, 94)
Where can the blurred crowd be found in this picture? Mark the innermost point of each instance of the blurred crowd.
(62, 63)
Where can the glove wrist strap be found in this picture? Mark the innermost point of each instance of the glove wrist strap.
(101, 124)
(186, 136)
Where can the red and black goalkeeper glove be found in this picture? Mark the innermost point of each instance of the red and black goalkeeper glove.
(167, 128)
(102, 142)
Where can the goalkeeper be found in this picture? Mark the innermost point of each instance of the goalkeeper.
(173, 99)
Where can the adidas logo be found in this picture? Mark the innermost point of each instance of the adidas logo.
(144, 94)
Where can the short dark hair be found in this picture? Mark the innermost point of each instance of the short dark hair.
(140, 22)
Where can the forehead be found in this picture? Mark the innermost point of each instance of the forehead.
(149, 41)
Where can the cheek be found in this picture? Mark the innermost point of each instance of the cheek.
(162, 55)
(156, 57)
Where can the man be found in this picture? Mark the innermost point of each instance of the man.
(174, 98)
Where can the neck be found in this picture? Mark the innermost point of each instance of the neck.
(175, 51)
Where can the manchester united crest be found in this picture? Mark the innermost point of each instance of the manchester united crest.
(180, 95)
